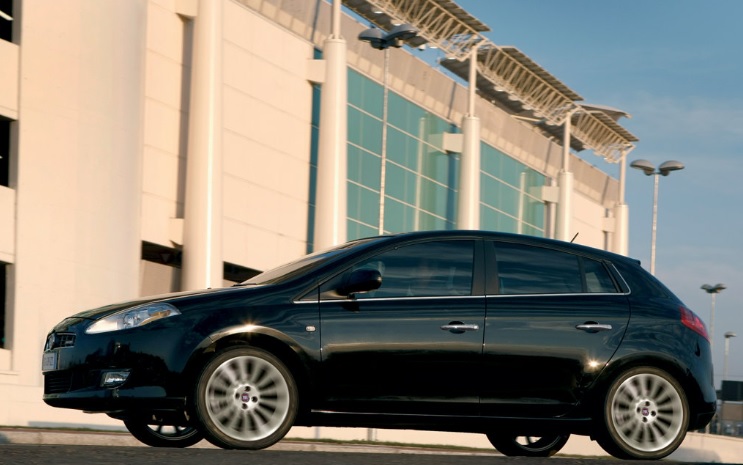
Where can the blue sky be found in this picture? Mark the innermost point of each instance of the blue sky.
(677, 67)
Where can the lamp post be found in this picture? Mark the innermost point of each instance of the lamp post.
(380, 40)
(728, 335)
(713, 290)
(649, 169)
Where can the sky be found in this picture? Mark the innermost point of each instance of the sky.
(676, 66)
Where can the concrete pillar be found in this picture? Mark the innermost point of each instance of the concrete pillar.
(332, 172)
(202, 229)
(565, 184)
(620, 243)
(468, 201)
(468, 206)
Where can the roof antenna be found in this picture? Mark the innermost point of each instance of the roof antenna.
(576, 235)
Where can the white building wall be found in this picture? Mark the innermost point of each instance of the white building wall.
(267, 127)
(165, 120)
(77, 235)
(585, 224)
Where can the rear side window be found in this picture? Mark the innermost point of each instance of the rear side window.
(524, 269)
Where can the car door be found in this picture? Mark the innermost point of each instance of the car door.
(554, 320)
(413, 345)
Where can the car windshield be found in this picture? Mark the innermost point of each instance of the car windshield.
(304, 264)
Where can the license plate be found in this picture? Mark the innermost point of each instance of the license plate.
(49, 361)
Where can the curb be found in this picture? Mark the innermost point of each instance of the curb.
(40, 436)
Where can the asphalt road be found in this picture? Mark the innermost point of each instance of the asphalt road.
(42, 454)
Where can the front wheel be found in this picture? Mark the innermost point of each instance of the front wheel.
(645, 415)
(528, 446)
(245, 398)
(156, 434)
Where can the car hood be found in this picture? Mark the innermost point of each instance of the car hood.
(100, 312)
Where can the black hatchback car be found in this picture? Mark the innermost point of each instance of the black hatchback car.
(526, 340)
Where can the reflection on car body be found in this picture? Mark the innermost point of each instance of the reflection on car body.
(527, 340)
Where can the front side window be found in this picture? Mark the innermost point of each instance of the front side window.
(524, 269)
(426, 269)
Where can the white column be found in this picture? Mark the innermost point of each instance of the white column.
(564, 205)
(621, 214)
(330, 196)
(202, 229)
(565, 184)
(468, 201)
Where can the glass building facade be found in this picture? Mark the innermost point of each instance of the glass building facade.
(420, 178)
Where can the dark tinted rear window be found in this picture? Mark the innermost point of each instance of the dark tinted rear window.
(525, 269)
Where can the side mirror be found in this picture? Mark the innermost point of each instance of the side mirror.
(361, 280)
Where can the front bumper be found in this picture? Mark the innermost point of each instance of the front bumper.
(140, 369)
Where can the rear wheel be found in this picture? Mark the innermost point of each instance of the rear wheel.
(645, 415)
(245, 398)
(528, 446)
(156, 434)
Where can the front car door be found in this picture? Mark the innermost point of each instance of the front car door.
(554, 320)
(413, 346)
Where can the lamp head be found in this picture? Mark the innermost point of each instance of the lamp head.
(668, 166)
(396, 37)
(714, 289)
(730, 334)
(374, 36)
(400, 33)
(644, 165)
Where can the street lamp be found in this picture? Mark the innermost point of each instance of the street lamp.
(713, 290)
(728, 335)
(649, 169)
(380, 40)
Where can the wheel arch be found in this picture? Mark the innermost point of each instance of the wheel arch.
(668, 364)
(272, 341)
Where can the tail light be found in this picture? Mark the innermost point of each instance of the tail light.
(693, 322)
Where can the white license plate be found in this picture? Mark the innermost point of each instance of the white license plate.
(49, 361)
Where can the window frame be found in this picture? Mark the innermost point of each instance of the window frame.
(478, 273)
(493, 284)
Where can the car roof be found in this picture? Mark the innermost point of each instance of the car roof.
(508, 237)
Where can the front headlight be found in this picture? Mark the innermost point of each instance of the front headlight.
(133, 317)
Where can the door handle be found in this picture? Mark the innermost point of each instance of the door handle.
(457, 327)
(592, 327)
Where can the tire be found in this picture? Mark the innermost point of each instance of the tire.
(156, 434)
(528, 446)
(645, 415)
(245, 398)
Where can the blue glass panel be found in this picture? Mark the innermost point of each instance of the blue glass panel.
(398, 217)
(429, 222)
(401, 183)
(356, 230)
(402, 149)
(438, 166)
(363, 204)
(365, 94)
(405, 115)
(364, 130)
(363, 167)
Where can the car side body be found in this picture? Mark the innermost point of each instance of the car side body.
(464, 331)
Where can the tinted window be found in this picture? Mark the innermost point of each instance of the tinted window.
(597, 277)
(440, 268)
(524, 269)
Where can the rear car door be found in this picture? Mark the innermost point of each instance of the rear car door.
(414, 345)
(554, 320)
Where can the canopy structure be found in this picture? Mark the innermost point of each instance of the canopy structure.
(506, 76)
